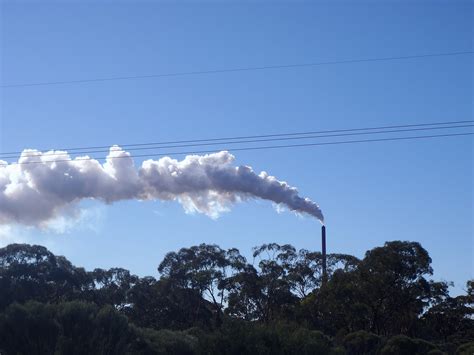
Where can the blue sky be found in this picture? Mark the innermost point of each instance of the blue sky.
(370, 193)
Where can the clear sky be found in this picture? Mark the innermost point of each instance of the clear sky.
(370, 193)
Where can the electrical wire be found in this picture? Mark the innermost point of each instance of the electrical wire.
(246, 141)
(72, 150)
(248, 148)
(230, 70)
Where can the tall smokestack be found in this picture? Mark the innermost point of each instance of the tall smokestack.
(323, 244)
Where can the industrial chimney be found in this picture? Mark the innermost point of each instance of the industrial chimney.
(323, 252)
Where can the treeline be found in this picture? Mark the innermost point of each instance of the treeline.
(214, 301)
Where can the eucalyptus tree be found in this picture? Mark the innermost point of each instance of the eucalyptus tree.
(205, 269)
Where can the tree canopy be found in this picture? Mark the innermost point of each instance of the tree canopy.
(210, 300)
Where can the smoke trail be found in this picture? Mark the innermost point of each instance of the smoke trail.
(36, 192)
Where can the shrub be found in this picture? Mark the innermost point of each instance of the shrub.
(466, 349)
(361, 342)
(150, 341)
(402, 344)
(28, 329)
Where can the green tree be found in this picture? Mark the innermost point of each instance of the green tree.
(204, 269)
(452, 318)
(263, 294)
(339, 306)
(394, 287)
(112, 286)
(386, 293)
(160, 304)
(31, 272)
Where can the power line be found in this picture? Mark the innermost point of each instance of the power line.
(128, 146)
(252, 148)
(249, 141)
(230, 70)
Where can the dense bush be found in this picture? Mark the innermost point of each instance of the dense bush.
(150, 341)
(237, 337)
(466, 349)
(66, 328)
(361, 342)
(402, 344)
(29, 329)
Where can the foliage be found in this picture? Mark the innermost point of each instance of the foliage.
(239, 337)
(209, 300)
(401, 344)
(150, 341)
(466, 349)
(32, 272)
(361, 342)
(29, 329)
(66, 328)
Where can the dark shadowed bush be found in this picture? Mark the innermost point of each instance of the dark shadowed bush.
(87, 329)
(304, 341)
(402, 344)
(238, 337)
(66, 328)
(28, 329)
(465, 349)
(150, 341)
(436, 352)
(361, 342)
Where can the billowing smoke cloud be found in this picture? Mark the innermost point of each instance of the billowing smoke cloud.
(41, 188)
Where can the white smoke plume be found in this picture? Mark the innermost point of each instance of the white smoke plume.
(41, 188)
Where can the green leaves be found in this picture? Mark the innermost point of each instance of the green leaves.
(276, 304)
